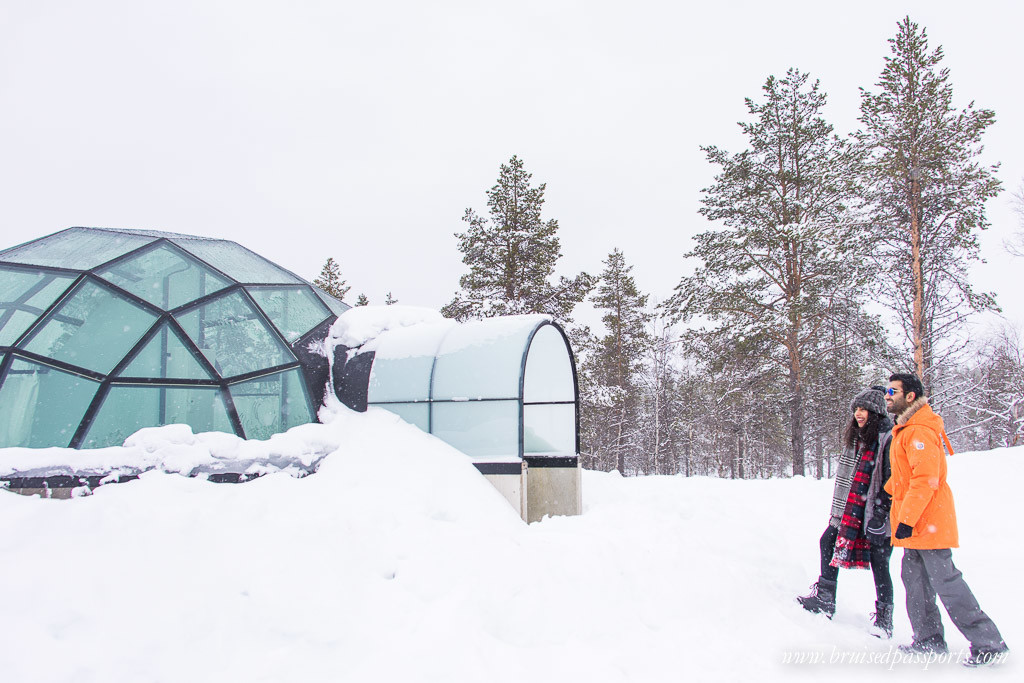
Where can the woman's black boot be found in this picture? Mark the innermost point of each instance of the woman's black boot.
(822, 598)
(882, 626)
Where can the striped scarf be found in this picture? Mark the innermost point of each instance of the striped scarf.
(853, 551)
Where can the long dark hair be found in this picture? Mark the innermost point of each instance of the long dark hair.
(867, 434)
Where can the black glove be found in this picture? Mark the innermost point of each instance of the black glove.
(903, 531)
(875, 531)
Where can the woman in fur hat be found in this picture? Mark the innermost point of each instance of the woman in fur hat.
(857, 536)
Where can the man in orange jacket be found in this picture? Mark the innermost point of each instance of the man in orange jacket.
(924, 524)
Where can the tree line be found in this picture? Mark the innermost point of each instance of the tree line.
(831, 261)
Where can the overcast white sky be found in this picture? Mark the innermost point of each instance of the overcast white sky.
(362, 130)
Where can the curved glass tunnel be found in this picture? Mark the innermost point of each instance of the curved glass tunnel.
(502, 390)
(104, 332)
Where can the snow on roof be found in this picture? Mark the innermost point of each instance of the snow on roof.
(360, 324)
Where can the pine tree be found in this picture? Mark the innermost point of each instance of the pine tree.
(788, 250)
(612, 402)
(746, 404)
(512, 256)
(928, 193)
(330, 280)
(851, 353)
(390, 300)
(362, 300)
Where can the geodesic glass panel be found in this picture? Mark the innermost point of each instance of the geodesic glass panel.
(24, 296)
(166, 356)
(272, 404)
(337, 306)
(127, 409)
(165, 277)
(237, 262)
(549, 429)
(478, 428)
(93, 328)
(42, 406)
(548, 368)
(293, 310)
(234, 336)
(76, 248)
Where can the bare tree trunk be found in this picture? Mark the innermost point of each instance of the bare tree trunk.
(732, 460)
(740, 452)
(688, 451)
(620, 457)
(657, 419)
(796, 411)
(819, 448)
(918, 273)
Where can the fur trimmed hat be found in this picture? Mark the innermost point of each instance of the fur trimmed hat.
(872, 400)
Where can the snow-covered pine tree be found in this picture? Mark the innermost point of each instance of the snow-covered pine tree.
(611, 397)
(852, 353)
(512, 256)
(787, 249)
(928, 193)
(330, 280)
(744, 415)
(362, 300)
(390, 300)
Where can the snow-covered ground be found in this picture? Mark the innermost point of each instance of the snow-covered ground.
(396, 561)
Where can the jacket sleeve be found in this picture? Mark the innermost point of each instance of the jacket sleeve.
(885, 496)
(883, 501)
(887, 472)
(924, 454)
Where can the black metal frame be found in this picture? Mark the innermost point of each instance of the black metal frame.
(164, 317)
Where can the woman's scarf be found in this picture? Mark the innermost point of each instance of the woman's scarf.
(853, 550)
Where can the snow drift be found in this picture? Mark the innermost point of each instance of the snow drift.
(398, 562)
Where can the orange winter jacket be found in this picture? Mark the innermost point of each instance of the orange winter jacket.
(920, 496)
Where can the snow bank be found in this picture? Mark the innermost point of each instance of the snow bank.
(397, 562)
(360, 324)
(175, 449)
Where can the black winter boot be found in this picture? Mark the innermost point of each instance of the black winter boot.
(882, 626)
(821, 599)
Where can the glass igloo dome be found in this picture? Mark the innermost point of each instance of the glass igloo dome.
(103, 332)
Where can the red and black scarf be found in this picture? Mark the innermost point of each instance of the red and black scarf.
(853, 550)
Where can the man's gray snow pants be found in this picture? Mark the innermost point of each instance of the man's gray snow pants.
(927, 573)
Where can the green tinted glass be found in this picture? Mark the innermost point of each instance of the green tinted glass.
(76, 248)
(293, 310)
(165, 277)
(337, 306)
(237, 262)
(93, 329)
(127, 409)
(42, 406)
(272, 404)
(478, 428)
(166, 356)
(24, 295)
(234, 336)
(417, 414)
